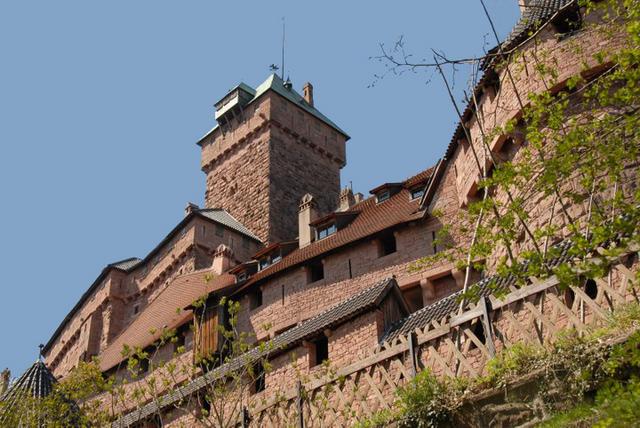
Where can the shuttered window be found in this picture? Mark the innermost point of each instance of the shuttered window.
(207, 335)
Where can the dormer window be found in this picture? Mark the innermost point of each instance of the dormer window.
(268, 260)
(383, 196)
(326, 230)
(417, 192)
(386, 191)
(264, 263)
(274, 253)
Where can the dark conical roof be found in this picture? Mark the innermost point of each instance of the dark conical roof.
(36, 382)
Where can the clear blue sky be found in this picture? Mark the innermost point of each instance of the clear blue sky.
(101, 104)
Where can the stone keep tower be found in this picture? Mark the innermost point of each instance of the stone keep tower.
(269, 148)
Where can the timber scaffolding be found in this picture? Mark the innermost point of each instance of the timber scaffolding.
(535, 314)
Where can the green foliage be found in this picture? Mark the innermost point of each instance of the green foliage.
(565, 371)
(518, 359)
(579, 142)
(427, 401)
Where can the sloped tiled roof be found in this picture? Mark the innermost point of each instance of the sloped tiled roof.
(224, 218)
(165, 311)
(372, 218)
(445, 307)
(536, 13)
(276, 84)
(353, 306)
(36, 382)
(126, 264)
(336, 315)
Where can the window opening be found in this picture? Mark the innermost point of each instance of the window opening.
(387, 244)
(256, 298)
(316, 271)
(326, 230)
(259, 383)
(320, 351)
(434, 242)
(417, 192)
(591, 288)
(383, 196)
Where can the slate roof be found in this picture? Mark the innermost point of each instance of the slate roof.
(126, 264)
(224, 218)
(276, 84)
(36, 382)
(336, 315)
(445, 307)
(165, 311)
(358, 303)
(371, 218)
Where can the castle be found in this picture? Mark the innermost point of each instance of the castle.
(324, 273)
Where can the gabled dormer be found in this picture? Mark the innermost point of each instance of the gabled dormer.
(331, 223)
(274, 253)
(385, 191)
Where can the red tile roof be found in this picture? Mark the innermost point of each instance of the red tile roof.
(372, 218)
(165, 311)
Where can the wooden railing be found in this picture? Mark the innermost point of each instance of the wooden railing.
(458, 345)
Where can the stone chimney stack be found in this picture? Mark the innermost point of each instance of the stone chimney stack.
(222, 259)
(347, 200)
(359, 197)
(308, 213)
(191, 207)
(5, 377)
(307, 92)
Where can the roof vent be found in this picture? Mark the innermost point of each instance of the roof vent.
(288, 84)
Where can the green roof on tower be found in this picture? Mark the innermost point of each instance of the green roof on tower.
(243, 94)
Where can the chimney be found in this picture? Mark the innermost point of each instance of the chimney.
(358, 197)
(347, 200)
(307, 92)
(524, 4)
(222, 259)
(5, 377)
(191, 207)
(308, 213)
